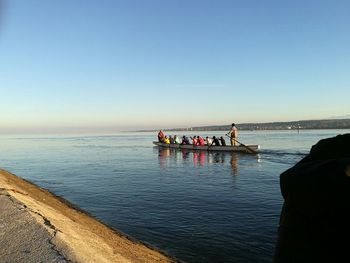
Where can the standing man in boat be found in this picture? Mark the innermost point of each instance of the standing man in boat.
(233, 134)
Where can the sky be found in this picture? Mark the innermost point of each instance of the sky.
(110, 65)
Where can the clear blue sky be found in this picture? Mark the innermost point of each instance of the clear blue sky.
(70, 64)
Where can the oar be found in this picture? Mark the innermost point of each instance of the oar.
(210, 146)
(245, 146)
(212, 143)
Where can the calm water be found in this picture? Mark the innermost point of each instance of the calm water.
(197, 206)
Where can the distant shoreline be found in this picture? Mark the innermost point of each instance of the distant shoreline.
(326, 124)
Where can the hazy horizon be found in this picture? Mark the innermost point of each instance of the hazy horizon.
(107, 130)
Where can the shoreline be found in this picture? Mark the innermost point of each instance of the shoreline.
(78, 236)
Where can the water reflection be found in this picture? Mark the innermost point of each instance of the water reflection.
(233, 162)
(169, 156)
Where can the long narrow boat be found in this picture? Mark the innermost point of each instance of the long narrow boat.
(240, 148)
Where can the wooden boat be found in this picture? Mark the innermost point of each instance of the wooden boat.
(239, 148)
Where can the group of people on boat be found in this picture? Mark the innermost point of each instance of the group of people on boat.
(198, 140)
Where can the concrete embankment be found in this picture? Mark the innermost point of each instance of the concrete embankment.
(37, 226)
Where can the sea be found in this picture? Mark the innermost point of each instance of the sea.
(195, 206)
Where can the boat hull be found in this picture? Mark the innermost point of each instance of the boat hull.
(209, 148)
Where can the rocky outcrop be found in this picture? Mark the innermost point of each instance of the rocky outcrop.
(315, 218)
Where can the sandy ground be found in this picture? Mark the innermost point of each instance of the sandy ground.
(41, 227)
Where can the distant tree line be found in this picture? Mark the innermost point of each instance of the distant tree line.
(291, 125)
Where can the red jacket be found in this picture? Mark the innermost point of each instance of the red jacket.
(160, 134)
(200, 141)
(194, 141)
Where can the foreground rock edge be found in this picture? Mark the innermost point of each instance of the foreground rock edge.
(314, 222)
(78, 236)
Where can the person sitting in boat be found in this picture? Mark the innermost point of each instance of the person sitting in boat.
(160, 136)
(166, 140)
(209, 141)
(194, 140)
(185, 140)
(200, 141)
(216, 141)
(222, 140)
(171, 139)
(176, 140)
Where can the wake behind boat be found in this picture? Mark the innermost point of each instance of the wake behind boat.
(240, 148)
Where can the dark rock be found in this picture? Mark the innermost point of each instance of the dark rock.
(315, 218)
(331, 148)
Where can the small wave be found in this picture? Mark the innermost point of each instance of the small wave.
(110, 146)
(279, 152)
(282, 157)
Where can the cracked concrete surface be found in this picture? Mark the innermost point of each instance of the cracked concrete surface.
(17, 241)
